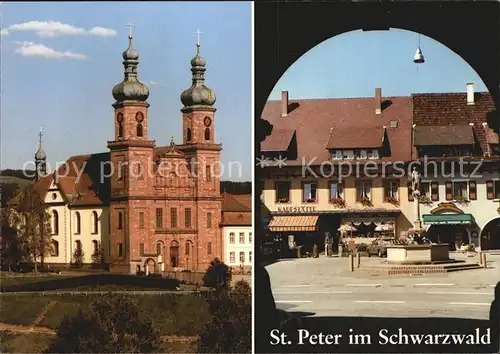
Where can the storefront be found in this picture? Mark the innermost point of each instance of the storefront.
(292, 230)
(454, 229)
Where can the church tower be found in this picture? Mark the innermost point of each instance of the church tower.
(199, 146)
(40, 159)
(131, 156)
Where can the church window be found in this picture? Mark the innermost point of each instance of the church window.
(120, 125)
(209, 220)
(158, 248)
(187, 216)
(159, 217)
(55, 221)
(120, 220)
(120, 249)
(188, 248)
(208, 173)
(139, 129)
(207, 133)
(54, 250)
(173, 218)
(95, 222)
(141, 249)
(188, 134)
(209, 248)
(140, 174)
(77, 223)
(141, 220)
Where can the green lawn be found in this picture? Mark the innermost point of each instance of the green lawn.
(24, 342)
(182, 314)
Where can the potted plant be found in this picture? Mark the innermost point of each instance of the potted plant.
(338, 202)
(392, 200)
(365, 201)
(424, 199)
(461, 199)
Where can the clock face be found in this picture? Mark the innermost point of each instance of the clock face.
(207, 121)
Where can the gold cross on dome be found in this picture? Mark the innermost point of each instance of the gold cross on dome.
(198, 32)
(130, 25)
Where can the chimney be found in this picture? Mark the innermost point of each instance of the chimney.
(378, 101)
(284, 103)
(470, 93)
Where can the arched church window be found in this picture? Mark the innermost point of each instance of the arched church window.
(55, 217)
(139, 117)
(120, 125)
(207, 133)
(77, 223)
(188, 134)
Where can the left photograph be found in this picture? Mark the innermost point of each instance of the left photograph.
(126, 205)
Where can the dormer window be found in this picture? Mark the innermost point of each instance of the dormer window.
(337, 155)
(363, 154)
(348, 154)
(373, 154)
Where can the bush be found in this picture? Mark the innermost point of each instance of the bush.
(230, 330)
(362, 247)
(242, 293)
(155, 275)
(107, 324)
(217, 276)
(141, 273)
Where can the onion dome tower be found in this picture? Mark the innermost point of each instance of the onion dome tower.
(40, 158)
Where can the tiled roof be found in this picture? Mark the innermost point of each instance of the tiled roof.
(347, 138)
(440, 109)
(444, 135)
(279, 141)
(236, 209)
(312, 120)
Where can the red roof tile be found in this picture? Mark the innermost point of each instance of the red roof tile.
(313, 118)
(444, 135)
(348, 138)
(279, 141)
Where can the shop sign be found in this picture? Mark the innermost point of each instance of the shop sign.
(297, 209)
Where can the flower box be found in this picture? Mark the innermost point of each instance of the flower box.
(338, 202)
(392, 200)
(365, 202)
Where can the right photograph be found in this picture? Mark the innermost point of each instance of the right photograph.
(377, 178)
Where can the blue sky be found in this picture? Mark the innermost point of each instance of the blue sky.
(61, 60)
(355, 63)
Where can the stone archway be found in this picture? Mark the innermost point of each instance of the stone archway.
(174, 254)
(490, 235)
(149, 266)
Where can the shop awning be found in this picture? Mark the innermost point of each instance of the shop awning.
(282, 223)
(447, 219)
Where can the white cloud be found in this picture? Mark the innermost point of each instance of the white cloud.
(156, 83)
(102, 32)
(4, 32)
(30, 49)
(48, 28)
(56, 29)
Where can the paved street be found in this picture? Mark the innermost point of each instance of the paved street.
(324, 287)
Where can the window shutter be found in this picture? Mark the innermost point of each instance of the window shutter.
(472, 190)
(449, 191)
(410, 192)
(434, 191)
(489, 190)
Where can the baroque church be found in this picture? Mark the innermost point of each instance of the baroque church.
(145, 207)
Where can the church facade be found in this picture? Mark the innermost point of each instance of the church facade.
(145, 207)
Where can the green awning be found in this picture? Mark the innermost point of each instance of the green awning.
(448, 219)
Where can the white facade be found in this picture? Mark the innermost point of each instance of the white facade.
(483, 210)
(86, 226)
(238, 246)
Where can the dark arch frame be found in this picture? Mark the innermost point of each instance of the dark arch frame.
(471, 31)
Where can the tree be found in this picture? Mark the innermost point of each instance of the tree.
(230, 330)
(78, 257)
(217, 276)
(242, 293)
(31, 220)
(107, 324)
(11, 250)
(98, 257)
